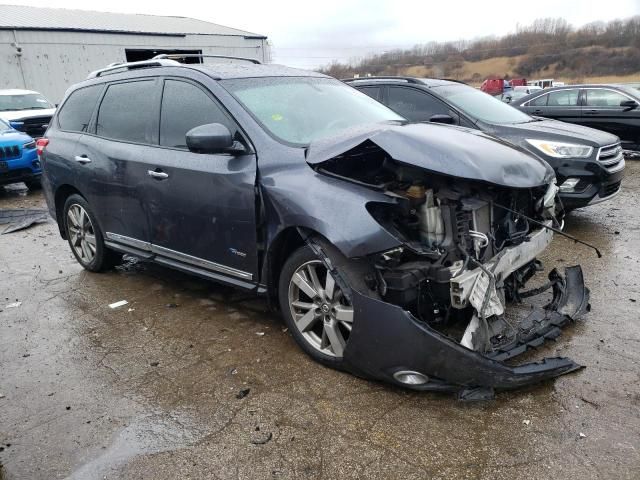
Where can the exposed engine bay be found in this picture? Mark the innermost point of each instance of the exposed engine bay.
(469, 250)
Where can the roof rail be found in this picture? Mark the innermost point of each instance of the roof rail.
(116, 67)
(452, 80)
(388, 77)
(174, 56)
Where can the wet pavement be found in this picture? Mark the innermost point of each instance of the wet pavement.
(152, 389)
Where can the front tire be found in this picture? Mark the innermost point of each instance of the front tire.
(316, 310)
(85, 237)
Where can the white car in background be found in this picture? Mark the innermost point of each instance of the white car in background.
(26, 110)
(518, 92)
(527, 89)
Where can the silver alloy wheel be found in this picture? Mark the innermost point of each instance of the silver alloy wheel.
(319, 309)
(81, 234)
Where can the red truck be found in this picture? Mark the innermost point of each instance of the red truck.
(496, 86)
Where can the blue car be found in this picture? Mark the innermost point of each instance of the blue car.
(18, 157)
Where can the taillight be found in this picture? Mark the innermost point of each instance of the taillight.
(40, 144)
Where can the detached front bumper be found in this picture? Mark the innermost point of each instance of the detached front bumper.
(388, 340)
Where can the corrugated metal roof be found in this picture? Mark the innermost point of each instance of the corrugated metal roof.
(20, 17)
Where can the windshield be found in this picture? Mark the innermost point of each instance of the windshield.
(303, 109)
(28, 101)
(481, 106)
(4, 126)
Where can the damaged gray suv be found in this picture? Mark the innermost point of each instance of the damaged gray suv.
(396, 251)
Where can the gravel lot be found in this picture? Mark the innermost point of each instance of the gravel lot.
(150, 390)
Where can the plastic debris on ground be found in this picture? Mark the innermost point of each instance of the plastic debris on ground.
(118, 304)
(243, 393)
(21, 219)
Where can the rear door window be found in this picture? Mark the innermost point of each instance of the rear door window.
(604, 98)
(540, 101)
(563, 98)
(128, 112)
(185, 106)
(75, 114)
(415, 104)
(373, 92)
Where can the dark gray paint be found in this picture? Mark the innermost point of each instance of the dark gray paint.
(209, 208)
(458, 152)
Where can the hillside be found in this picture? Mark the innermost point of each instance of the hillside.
(505, 67)
(549, 48)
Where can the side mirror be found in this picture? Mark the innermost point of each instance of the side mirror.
(629, 104)
(440, 118)
(209, 138)
(16, 125)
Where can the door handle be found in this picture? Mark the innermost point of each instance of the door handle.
(537, 112)
(157, 175)
(590, 112)
(82, 159)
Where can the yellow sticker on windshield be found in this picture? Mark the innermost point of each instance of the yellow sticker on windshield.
(277, 117)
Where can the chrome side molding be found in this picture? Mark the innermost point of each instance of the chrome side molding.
(178, 256)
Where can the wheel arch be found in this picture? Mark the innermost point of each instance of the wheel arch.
(62, 193)
(289, 240)
(280, 248)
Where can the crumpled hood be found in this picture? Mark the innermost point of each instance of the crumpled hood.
(454, 151)
(546, 129)
(24, 114)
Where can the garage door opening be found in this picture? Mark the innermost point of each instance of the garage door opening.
(138, 55)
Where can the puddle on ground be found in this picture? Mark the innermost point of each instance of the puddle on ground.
(149, 434)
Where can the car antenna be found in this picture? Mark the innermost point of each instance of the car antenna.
(556, 230)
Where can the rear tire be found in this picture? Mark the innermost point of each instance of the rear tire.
(85, 237)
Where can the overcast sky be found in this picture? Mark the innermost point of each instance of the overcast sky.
(312, 33)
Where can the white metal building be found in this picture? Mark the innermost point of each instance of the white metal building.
(48, 49)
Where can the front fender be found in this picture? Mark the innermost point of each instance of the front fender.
(336, 209)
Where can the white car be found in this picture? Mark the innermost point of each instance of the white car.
(527, 89)
(26, 110)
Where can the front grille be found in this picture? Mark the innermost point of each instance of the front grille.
(611, 157)
(35, 126)
(12, 151)
(610, 189)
